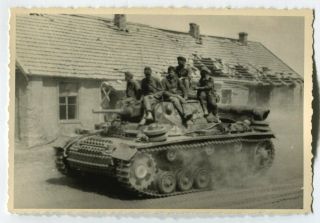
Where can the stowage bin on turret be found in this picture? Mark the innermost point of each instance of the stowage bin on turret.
(168, 157)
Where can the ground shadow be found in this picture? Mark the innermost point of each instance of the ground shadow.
(106, 186)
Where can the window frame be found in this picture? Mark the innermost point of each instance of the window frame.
(76, 119)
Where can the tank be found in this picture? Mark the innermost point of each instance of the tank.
(167, 157)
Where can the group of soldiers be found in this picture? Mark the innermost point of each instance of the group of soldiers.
(175, 87)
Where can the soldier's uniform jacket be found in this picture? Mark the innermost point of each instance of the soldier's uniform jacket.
(133, 89)
(183, 72)
(173, 86)
(151, 86)
(207, 84)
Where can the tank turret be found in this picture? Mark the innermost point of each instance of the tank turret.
(127, 109)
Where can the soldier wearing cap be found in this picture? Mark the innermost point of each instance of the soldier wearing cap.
(206, 95)
(133, 89)
(152, 93)
(175, 92)
(184, 73)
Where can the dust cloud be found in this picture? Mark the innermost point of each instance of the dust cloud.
(287, 125)
(232, 170)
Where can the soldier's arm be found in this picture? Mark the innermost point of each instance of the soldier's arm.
(207, 86)
(198, 87)
(143, 88)
(210, 83)
(127, 92)
(189, 72)
(137, 89)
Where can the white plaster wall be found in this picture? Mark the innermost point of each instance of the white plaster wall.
(89, 98)
(240, 93)
(50, 108)
(34, 120)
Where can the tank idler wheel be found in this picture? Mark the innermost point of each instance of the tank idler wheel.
(202, 178)
(60, 164)
(184, 180)
(166, 182)
(171, 155)
(64, 168)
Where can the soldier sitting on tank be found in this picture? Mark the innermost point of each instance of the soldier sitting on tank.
(133, 89)
(175, 92)
(184, 73)
(207, 96)
(152, 93)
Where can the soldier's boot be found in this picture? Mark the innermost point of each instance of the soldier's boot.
(185, 115)
(215, 118)
(146, 118)
(218, 119)
(143, 121)
(209, 118)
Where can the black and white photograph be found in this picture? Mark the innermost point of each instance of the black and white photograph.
(164, 111)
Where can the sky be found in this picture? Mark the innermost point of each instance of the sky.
(284, 36)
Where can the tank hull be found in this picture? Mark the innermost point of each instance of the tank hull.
(174, 165)
(170, 157)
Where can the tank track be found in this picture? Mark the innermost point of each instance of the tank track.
(124, 165)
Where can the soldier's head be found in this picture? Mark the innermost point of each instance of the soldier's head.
(147, 72)
(181, 60)
(204, 72)
(171, 71)
(128, 76)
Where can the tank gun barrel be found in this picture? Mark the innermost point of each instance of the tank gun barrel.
(126, 113)
(105, 111)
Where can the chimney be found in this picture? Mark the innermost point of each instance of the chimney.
(120, 21)
(194, 30)
(243, 38)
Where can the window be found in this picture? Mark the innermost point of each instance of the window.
(68, 101)
(226, 96)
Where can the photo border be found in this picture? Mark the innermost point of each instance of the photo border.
(307, 100)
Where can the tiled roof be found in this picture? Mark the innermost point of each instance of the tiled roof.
(92, 47)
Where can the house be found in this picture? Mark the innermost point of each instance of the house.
(62, 60)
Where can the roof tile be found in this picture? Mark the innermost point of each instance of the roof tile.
(88, 47)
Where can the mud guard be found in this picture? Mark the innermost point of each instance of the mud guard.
(62, 142)
(123, 151)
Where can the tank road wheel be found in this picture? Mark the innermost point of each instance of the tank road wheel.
(263, 155)
(184, 180)
(202, 178)
(142, 171)
(166, 182)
